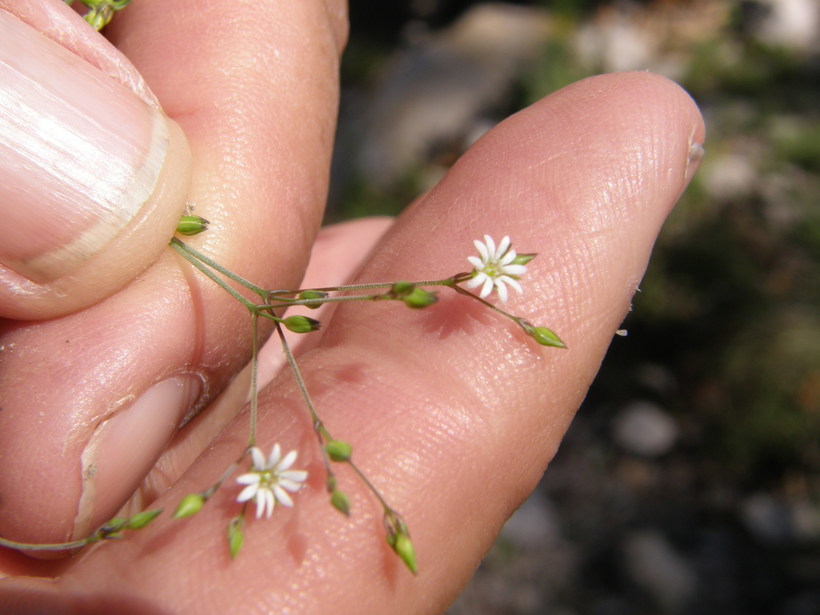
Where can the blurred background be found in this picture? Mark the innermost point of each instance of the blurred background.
(690, 479)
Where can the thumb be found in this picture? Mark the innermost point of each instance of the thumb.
(93, 175)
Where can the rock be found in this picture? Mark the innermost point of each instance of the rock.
(654, 565)
(731, 176)
(790, 24)
(776, 521)
(643, 428)
(439, 92)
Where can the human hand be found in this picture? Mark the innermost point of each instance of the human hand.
(452, 413)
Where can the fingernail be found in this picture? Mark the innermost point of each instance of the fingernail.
(125, 447)
(696, 154)
(79, 154)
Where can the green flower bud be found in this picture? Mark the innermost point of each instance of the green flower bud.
(190, 505)
(301, 324)
(420, 298)
(546, 337)
(235, 536)
(340, 502)
(403, 547)
(191, 225)
(307, 295)
(338, 450)
(140, 520)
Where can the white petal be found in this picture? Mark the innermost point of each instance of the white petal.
(514, 283)
(507, 258)
(282, 496)
(503, 247)
(479, 279)
(482, 250)
(490, 246)
(258, 459)
(270, 502)
(290, 485)
(295, 476)
(247, 493)
(260, 503)
(502, 290)
(275, 456)
(250, 478)
(476, 262)
(286, 462)
(487, 288)
(515, 269)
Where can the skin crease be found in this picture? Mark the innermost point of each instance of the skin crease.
(451, 411)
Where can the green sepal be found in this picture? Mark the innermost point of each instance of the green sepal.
(403, 547)
(301, 324)
(98, 18)
(113, 526)
(312, 295)
(398, 537)
(547, 337)
(140, 520)
(190, 505)
(235, 536)
(523, 259)
(420, 298)
(340, 502)
(192, 225)
(399, 290)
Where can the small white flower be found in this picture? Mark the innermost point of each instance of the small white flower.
(495, 269)
(270, 480)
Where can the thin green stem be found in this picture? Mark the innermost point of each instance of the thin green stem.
(225, 475)
(318, 302)
(467, 293)
(387, 508)
(374, 285)
(187, 251)
(318, 425)
(54, 546)
(254, 376)
(184, 251)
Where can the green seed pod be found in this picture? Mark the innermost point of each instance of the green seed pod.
(338, 450)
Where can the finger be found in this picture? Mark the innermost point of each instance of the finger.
(90, 400)
(88, 199)
(453, 413)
